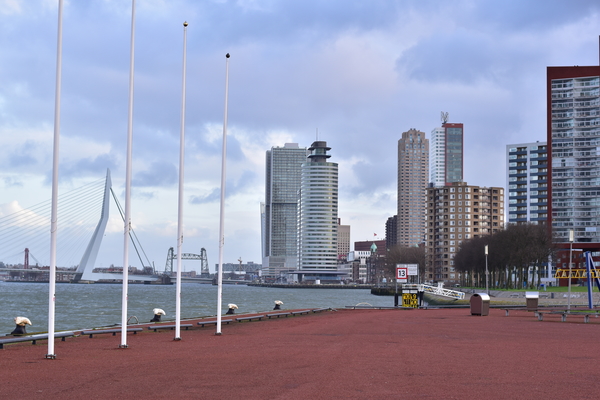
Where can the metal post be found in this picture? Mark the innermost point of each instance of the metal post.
(396, 295)
(571, 239)
(589, 262)
(487, 273)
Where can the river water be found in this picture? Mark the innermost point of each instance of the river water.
(84, 306)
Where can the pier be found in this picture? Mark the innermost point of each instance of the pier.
(343, 354)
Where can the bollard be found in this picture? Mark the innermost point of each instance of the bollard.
(232, 308)
(20, 328)
(157, 313)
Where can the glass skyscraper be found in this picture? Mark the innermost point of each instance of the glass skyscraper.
(280, 209)
(454, 152)
(446, 155)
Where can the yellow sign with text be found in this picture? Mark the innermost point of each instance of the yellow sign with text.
(410, 300)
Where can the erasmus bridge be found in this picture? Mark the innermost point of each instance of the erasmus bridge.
(83, 214)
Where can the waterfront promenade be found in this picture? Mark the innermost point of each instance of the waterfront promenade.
(345, 354)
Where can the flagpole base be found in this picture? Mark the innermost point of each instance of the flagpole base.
(123, 346)
(50, 356)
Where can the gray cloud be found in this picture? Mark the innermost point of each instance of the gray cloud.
(373, 177)
(233, 187)
(91, 166)
(13, 181)
(514, 15)
(159, 174)
(20, 160)
(213, 196)
(142, 195)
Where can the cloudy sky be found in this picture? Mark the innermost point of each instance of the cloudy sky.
(358, 72)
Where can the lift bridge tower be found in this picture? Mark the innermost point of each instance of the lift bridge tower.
(204, 272)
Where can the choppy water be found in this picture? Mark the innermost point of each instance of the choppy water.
(83, 306)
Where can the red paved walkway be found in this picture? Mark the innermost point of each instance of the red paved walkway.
(349, 354)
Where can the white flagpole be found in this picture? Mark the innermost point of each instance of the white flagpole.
(222, 208)
(54, 212)
(180, 205)
(127, 227)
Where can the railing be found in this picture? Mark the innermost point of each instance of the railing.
(441, 291)
(438, 290)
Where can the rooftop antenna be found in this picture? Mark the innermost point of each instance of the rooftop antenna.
(317, 135)
(444, 117)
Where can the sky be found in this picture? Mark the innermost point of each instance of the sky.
(353, 73)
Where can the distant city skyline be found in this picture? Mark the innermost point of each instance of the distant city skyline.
(353, 72)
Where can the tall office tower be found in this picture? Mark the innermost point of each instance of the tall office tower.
(527, 183)
(318, 216)
(413, 163)
(446, 154)
(391, 232)
(280, 210)
(455, 213)
(343, 241)
(573, 121)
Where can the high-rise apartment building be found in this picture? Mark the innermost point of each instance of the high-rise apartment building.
(573, 122)
(527, 182)
(437, 157)
(413, 165)
(455, 213)
(446, 154)
(280, 210)
(318, 216)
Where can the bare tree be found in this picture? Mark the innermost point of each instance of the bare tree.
(405, 255)
(514, 254)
